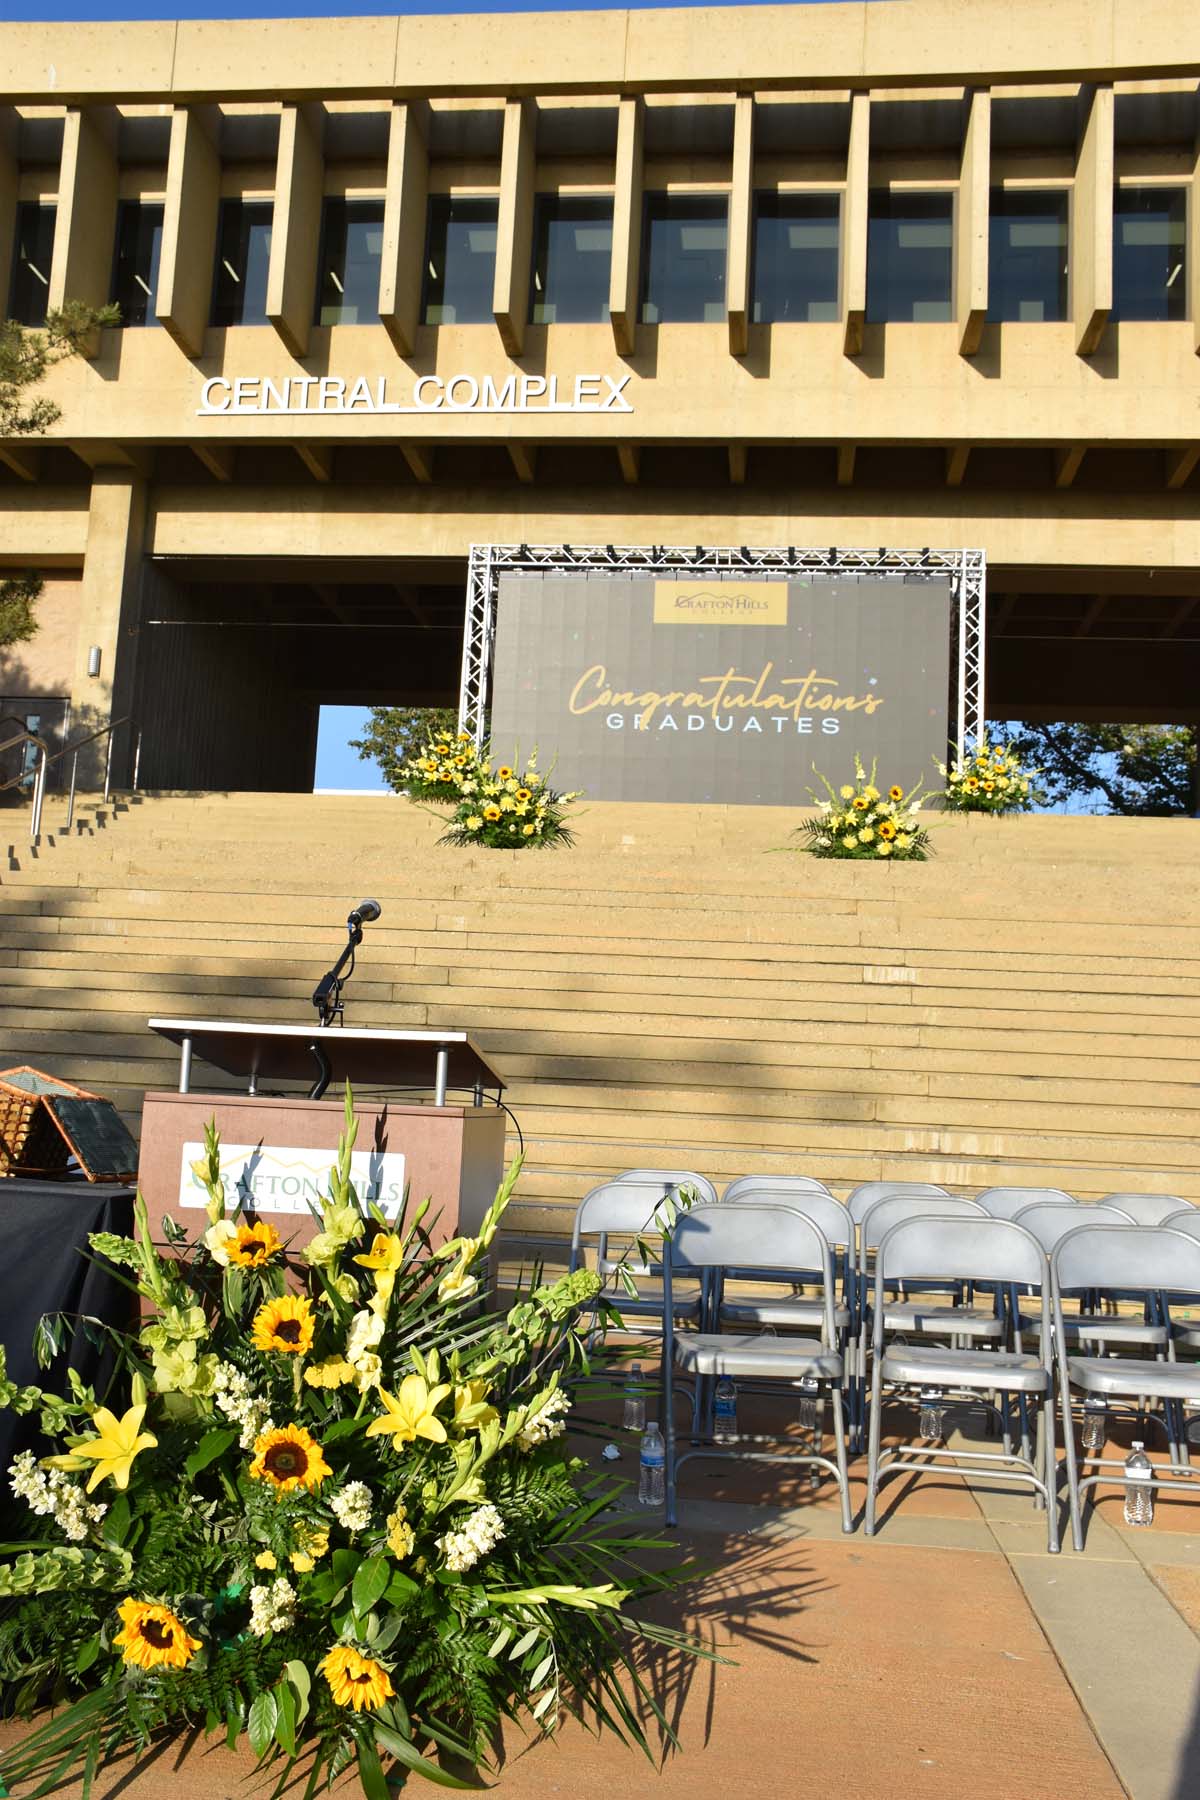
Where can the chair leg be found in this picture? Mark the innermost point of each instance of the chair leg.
(873, 1448)
(1049, 1464)
(839, 1427)
(1069, 1452)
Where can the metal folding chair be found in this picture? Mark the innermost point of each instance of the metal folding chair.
(670, 1179)
(1148, 1209)
(868, 1193)
(793, 1184)
(715, 1238)
(630, 1211)
(1154, 1261)
(963, 1249)
(1007, 1202)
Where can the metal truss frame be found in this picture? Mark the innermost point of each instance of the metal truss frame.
(967, 570)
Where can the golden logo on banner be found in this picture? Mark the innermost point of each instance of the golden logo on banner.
(720, 603)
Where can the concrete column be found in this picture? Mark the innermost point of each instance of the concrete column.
(8, 198)
(108, 607)
(296, 228)
(854, 223)
(514, 234)
(85, 230)
(971, 225)
(1192, 271)
(1092, 224)
(189, 240)
(627, 225)
(741, 226)
(404, 212)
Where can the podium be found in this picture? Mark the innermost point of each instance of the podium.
(277, 1148)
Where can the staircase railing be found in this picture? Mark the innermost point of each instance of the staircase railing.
(44, 758)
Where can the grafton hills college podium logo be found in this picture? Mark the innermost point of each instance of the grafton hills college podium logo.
(720, 603)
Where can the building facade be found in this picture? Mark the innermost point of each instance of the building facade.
(912, 273)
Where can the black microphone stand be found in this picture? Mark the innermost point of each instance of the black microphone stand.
(327, 998)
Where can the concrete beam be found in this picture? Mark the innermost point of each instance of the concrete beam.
(9, 182)
(739, 458)
(22, 460)
(1180, 464)
(971, 227)
(419, 458)
(514, 232)
(81, 267)
(1092, 223)
(854, 224)
(218, 459)
(957, 457)
(189, 238)
(738, 260)
(846, 457)
(1066, 464)
(404, 209)
(295, 228)
(317, 459)
(623, 294)
(524, 459)
(109, 454)
(630, 458)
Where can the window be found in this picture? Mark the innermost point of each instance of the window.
(795, 257)
(572, 257)
(31, 262)
(683, 258)
(460, 261)
(1148, 248)
(351, 255)
(1027, 255)
(909, 239)
(135, 267)
(243, 255)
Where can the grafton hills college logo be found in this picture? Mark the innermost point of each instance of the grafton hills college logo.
(720, 603)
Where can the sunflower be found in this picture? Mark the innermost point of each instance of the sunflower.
(523, 794)
(504, 774)
(285, 1324)
(151, 1637)
(861, 802)
(289, 1458)
(895, 793)
(491, 814)
(355, 1680)
(887, 829)
(254, 1245)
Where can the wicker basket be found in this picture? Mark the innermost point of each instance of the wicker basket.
(30, 1141)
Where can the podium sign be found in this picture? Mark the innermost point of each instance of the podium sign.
(271, 1178)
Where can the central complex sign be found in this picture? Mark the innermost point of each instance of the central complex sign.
(341, 395)
(727, 689)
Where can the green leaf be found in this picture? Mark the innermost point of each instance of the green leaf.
(342, 1428)
(212, 1445)
(116, 1524)
(543, 1669)
(406, 1753)
(301, 1680)
(87, 1653)
(370, 1772)
(400, 1588)
(285, 1721)
(497, 1644)
(370, 1583)
(523, 1643)
(261, 1727)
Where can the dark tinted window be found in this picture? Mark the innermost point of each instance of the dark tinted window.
(135, 266)
(243, 255)
(795, 257)
(32, 252)
(684, 242)
(572, 258)
(909, 243)
(1027, 255)
(351, 254)
(1149, 233)
(460, 261)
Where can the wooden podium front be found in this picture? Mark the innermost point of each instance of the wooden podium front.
(452, 1154)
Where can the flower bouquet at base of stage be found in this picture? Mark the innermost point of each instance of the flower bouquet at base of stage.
(989, 779)
(858, 821)
(328, 1508)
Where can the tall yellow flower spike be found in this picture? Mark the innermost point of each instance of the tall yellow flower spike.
(116, 1444)
(411, 1413)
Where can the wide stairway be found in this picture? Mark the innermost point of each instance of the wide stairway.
(678, 990)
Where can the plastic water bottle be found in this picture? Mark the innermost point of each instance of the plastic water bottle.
(725, 1426)
(635, 1400)
(933, 1415)
(1094, 1435)
(810, 1405)
(652, 1477)
(1139, 1494)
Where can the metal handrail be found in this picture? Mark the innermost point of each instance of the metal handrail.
(46, 757)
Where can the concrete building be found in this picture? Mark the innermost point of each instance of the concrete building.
(897, 274)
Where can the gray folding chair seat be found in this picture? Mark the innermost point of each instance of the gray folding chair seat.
(1133, 1375)
(792, 1314)
(931, 1365)
(787, 1359)
(956, 1321)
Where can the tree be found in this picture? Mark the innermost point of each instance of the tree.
(1144, 770)
(26, 357)
(394, 732)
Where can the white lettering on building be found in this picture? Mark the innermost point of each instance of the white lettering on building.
(332, 396)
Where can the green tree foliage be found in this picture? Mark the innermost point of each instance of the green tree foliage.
(26, 357)
(394, 732)
(1146, 770)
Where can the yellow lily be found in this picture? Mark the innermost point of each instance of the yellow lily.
(471, 1409)
(385, 1258)
(116, 1444)
(410, 1414)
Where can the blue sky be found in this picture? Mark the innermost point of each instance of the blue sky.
(13, 10)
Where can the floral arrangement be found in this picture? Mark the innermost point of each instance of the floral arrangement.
(332, 1512)
(988, 779)
(438, 769)
(858, 820)
(501, 808)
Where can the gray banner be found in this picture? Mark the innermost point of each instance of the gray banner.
(731, 690)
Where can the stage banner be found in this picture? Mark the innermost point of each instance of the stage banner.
(734, 690)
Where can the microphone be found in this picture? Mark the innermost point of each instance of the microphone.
(365, 913)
